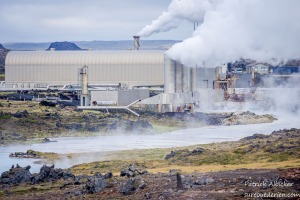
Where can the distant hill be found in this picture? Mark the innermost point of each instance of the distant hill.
(64, 46)
(127, 44)
(27, 46)
(3, 52)
(96, 45)
(2, 47)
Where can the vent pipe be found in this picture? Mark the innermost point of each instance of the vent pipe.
(136, 42)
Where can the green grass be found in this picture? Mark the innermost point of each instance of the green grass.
(163, 129)
(5, 116)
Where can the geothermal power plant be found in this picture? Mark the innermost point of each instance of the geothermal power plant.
(147, 79)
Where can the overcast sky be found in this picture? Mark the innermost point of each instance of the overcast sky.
(82, 20)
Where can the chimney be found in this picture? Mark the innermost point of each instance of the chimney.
(136, 42)
(85, 97)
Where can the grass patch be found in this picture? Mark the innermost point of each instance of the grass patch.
(5, 116)
(163, 129)
(279, 157)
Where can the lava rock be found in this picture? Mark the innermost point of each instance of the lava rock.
(132, 185)
(179, 182)
(255, 136)
(46, 140)
(48, 174)
(198, 151)
(172, 154)
(48, 103)
(28, 154)
(184, 152)
(16, 175)
(204, 181)
(21, 114)
(125, 172)
(132, 171)
(95, 184)
(108, 175)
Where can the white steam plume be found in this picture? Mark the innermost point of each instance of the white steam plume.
(263, 30)
(178, 11)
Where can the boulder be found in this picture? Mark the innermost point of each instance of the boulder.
(28, 154)
(108, 175)
(184, 152)
(179, 182)
(95, 184)
(255, 136)
(198, 151)
(16, 175)
(48, 103)
(48, 174)
(132, 185)
(132, 171)
(21, 114)
(47, 140)
(172, 154)
(204, 181)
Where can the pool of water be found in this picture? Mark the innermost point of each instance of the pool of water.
(118, 142)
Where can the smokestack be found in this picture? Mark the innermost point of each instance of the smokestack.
(84, 92)
(84, 80)
(136, 42)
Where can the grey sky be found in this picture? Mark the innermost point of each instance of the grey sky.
(81, 20)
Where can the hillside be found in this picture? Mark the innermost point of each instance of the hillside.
(63, 46)
(3, 52)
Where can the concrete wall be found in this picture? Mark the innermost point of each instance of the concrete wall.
(205, 77)
(104, 96)
(122, 97)
(126, 97)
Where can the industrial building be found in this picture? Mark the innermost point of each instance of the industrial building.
(113, 77)
(119, 79)
(38, 69)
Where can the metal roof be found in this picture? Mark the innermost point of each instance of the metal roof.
(104, 67)
(79, 58)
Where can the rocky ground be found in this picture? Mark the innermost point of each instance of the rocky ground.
(22, 120)
(51, 183)
(253, 167)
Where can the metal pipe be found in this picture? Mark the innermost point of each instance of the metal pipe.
(194, 79)
(111, 107)
(186, 79)
(179, 77)
(169, 86)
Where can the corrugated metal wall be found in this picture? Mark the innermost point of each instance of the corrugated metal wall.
(61, 67)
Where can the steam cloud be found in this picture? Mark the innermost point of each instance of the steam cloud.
(178, 11)
(266, 31)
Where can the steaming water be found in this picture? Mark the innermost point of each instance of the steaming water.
(103, 144)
